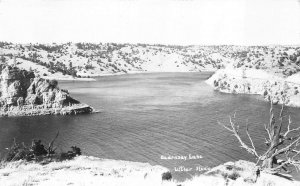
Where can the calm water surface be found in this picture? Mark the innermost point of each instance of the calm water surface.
(145, 116)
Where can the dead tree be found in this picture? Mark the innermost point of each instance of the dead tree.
(51, 149)
(283, 148)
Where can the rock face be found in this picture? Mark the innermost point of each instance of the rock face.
(14, 85)
(251, 81)
(21, 88)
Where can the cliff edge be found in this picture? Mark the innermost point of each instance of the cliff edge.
(281, 90)
(24, 93)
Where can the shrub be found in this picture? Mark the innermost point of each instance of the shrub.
(89, 66)
(38, 152)
(70, 154)
(53, 83)
(18, 152)
(216, 83)
(234, 175)
(37, 148)
(167, 176)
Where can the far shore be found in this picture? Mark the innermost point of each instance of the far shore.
(93, 77)
(281, 90)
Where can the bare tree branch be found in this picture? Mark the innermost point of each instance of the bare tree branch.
(288, 128)
(275, 140)
(269, 135)
(280, 119)
(253, 147)
(285, 149)
(234, 129)
(50, 147)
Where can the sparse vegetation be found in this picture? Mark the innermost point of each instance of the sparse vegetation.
(83, 59)
(39, 152)
(166, 176)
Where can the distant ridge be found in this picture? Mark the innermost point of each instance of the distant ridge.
(85, 60)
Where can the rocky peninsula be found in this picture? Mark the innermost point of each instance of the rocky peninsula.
(281, 90)
(22, 93)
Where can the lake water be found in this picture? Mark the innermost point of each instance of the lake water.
(147, 116)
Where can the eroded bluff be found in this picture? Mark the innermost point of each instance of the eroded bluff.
(22, 89)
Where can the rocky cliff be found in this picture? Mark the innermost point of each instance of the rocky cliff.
(281, 90)
(22, 90)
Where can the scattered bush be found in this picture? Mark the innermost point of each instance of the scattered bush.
(89, 67)
(70, 154)
(167, 176)
(53, 83)
(37, 148)
(233, 175)
(18, 152)
(38, 152)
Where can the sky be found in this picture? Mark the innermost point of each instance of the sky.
(180, 22)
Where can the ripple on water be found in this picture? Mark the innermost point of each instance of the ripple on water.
(148, 115)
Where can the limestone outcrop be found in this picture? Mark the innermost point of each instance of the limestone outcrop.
(21, 89)
(252, 81)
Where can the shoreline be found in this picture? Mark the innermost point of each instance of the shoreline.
(68, 79)
(128, 73)
(258, 82)
(42, 110)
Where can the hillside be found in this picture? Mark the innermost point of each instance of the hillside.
(69, 60)
(272, 72)
(64, 61)
(89, 171)
(253, 67)
(86, 60)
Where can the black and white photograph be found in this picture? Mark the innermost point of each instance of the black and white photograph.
(149, 92)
